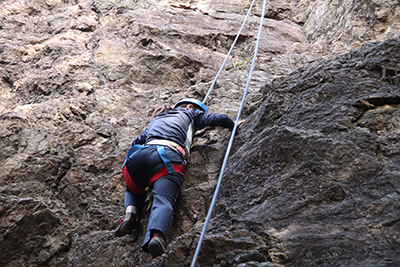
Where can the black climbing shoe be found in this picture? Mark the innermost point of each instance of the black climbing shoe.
(156, 246)
(128, 228)
(125, 228)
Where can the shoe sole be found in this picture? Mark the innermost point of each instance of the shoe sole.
(134, 235)
(156, 248)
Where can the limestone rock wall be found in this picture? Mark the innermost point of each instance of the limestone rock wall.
(79, 80)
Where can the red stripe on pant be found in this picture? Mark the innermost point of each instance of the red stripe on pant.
(160, 173)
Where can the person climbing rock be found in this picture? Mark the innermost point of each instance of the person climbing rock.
(156, 163)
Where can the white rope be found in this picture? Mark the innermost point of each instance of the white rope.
(230, 50)
(210, 210)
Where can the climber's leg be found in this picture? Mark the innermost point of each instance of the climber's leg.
(165, 191)
(133, 204)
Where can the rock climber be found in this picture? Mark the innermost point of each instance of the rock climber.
(156, 162)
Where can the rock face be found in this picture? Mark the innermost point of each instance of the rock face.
(319, 163)
(313, 179)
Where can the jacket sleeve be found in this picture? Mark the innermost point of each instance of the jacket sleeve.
(204, 119)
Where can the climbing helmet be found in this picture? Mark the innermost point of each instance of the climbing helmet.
(192, 101)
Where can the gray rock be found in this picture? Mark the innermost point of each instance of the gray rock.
(313, 178)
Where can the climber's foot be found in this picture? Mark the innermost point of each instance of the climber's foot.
(156, 246)
(125, 228)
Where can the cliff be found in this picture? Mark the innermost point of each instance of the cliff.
(313, 178)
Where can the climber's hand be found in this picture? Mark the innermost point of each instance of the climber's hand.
(240, 123)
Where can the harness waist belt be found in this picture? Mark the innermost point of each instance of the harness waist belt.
(168, 143)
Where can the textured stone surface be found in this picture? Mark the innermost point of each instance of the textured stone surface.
(79, 80)
(319, 163)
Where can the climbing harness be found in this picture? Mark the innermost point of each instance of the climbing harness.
(168, 168)
(168, 143)
(210, 210)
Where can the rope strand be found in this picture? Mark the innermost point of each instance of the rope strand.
(230, 50)
(196, 254)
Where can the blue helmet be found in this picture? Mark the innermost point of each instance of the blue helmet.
(192, 101)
